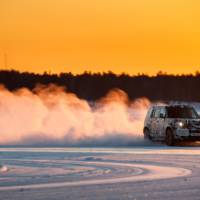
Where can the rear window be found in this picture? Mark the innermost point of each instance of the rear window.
(155, 113)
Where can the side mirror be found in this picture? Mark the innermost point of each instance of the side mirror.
(162, 115)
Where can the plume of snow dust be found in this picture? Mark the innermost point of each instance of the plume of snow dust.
(49, 115)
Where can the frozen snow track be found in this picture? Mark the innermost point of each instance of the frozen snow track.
(137, 173)
(141, 173)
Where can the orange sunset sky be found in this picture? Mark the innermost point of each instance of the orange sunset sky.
(99, 35)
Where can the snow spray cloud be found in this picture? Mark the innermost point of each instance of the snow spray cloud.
(50, 116)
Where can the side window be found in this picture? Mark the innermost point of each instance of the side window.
(152, 113)
(157, 113)
(163, 112)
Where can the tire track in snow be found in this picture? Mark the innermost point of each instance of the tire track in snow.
(143, 172)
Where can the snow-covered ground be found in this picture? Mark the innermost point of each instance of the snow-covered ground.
(146, 172)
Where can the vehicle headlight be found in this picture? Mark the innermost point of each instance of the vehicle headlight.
(180, 124)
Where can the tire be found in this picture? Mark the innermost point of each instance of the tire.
(147, 134)
(169, 139)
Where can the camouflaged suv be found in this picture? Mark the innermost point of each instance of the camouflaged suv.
(171, 123)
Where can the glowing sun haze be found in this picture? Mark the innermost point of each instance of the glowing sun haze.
(100, 35)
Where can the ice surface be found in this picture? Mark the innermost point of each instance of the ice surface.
(106, 173)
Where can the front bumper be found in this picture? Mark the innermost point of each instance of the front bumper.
(187, 134)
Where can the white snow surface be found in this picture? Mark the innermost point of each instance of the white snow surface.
(154, 172)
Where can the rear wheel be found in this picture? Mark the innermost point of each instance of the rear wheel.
(169, 139)
(147, 134)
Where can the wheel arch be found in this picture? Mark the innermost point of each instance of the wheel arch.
(168, 128)
(146, 128)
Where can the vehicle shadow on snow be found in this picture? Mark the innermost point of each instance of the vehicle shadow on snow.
(188, 144)
(177, 144)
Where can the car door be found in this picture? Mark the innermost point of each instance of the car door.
(155, 121)
(161, 122)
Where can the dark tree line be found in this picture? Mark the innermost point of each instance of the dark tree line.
(92, 86)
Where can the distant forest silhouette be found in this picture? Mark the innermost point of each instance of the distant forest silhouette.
(92, 86)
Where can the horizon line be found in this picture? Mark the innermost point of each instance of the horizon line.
(158, 73)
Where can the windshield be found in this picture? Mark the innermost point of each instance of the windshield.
(181, 112)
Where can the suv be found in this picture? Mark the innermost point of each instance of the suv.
(171, 123)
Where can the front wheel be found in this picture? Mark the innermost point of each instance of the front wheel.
(169, 139)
